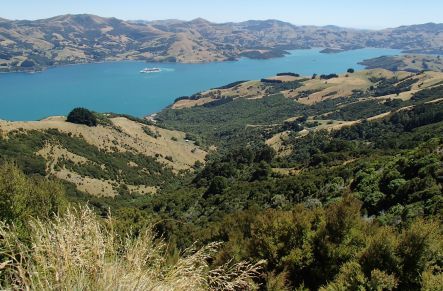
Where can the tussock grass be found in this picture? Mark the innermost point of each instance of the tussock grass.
(76, 251)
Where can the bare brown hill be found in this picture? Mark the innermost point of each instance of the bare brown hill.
(68, 39)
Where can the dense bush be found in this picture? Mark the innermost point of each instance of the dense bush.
(334, 247)
(428, 94)
(329, 76)
(27, 64)
(283, 86)
(271, 81)
(82, 116)
(227, 123)
(289, 74)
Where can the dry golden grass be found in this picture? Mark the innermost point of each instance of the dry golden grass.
(78, 252)
(276, 141)
(96, 187)
(321, 90)
(190, 48)
(187, 103)
(70, 54)
(334, 124)
(250, 90)
(333, 88)
(54, 153)
(124, 136)
(284, 78)
(345, 84)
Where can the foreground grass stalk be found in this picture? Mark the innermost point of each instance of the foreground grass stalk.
(76, 251)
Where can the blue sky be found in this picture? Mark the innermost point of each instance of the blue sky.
(349, 13)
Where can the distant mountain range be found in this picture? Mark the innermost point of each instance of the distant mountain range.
(70, 39)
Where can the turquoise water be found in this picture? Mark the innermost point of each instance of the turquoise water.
(119, 87)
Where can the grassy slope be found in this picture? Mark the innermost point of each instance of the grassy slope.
(124, 156)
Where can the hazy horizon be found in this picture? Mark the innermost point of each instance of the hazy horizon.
(345, 13)
(222, 22)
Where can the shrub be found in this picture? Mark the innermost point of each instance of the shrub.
(27, 64)
(327, 77)
(217, 186)
(82, 116)
(288, 74)
(271, 81)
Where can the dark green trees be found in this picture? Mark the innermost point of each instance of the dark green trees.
(27, 64)
(82, 116)
(217, 185)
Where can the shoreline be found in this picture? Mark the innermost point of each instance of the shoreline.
(322, 50)
(149, 115)
(43, 69)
